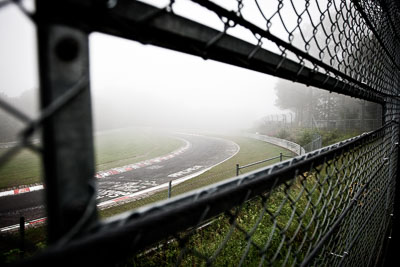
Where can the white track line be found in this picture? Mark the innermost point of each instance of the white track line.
(21, 190)
(27, 224)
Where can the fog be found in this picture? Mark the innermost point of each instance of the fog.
(142, 85)
(133, 84)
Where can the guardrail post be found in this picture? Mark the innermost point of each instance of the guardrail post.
(169, 189)
(67, 136)
(280, 156)
(237, 169)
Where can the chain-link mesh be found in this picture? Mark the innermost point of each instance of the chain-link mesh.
(328, 36)
(329, 207)
(328, 211)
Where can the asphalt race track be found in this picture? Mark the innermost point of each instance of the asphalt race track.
(202, 153)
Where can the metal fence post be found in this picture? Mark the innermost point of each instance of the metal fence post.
(22, 236)
(237, 169)
(392, 235)
(67, 135)
(280, 156)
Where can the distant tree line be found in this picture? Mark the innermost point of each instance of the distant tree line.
(9, 125)
(107, 114)
(319, 108)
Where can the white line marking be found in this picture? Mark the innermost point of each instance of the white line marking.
(27, 224)
(188, 170)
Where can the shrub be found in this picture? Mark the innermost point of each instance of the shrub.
(283, 134)
(305, 136)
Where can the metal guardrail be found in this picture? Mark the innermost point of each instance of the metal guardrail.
(295, 148)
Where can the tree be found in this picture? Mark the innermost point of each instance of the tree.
(11, 126)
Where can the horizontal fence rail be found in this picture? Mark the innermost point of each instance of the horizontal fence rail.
(335, 206)
(280, 157)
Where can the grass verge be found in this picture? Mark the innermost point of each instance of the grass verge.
(112, 149)
(10, 244)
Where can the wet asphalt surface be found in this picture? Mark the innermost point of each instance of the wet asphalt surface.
(203, 152)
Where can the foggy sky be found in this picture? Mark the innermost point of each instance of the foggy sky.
(170, 88)
(146, 85)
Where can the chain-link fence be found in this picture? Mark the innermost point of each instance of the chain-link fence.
(316, 143)
(329, 207)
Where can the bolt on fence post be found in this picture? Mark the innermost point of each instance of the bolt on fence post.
(169, 189)
(22, 236)
(237, 169)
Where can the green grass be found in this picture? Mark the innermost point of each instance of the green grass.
(119, 148)
(280, 223)
(251, 150)
(304, 136)
(208, 240)
(23, 168)
(267, 221)
(112, 149)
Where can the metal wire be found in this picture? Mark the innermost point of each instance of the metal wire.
(329, 207)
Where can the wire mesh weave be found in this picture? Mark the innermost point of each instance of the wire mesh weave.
(334, 39)
(329, 207)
